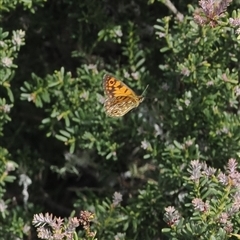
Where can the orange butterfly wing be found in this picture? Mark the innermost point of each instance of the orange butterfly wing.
(120, 99)
(113, 87)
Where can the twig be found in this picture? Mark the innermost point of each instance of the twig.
(169, 4)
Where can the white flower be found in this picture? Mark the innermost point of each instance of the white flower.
(189, 143)
(237, 91)
(225, 130)
(2, 44)
(135, 75)
(31, 97)
(10, 166)
(100, 98)
(145, 144)
(161, 35)
(93, 67)
(20, 33)
(209, 83)
(158, 130)
(118, 32)
(6, 61)
(25, 181)
(185, 72)
(84, 95)
(165, 86)
(187, 102)
(18, 38)
(6, 108)
(3, 206)
(126, 74)
(180, 108)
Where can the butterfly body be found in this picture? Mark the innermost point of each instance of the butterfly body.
(120, 99)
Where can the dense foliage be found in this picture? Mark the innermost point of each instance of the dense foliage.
(166, 170)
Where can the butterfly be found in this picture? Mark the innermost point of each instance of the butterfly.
(120, 98)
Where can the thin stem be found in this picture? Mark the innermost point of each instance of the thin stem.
(170, 5)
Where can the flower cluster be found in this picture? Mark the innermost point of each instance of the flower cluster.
(210, 12)
(49, 227)
(215, 199)
(235, 22)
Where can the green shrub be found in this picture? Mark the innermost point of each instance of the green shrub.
(67, 154)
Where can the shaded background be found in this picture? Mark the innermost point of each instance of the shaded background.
(142, 155)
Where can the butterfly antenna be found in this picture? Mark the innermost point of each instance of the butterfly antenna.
(145, 90)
